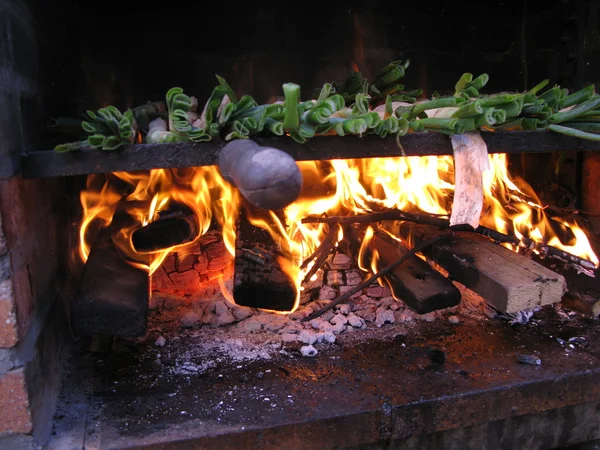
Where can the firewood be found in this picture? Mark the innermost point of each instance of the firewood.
(387, 269)
(508, 281)
(415, 282)
(172, 228)
(112, 297)
(259, 280)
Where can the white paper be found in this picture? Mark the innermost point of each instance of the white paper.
(470, 160)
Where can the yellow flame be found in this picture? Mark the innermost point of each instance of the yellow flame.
(337, 187)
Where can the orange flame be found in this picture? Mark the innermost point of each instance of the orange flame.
(338, 187)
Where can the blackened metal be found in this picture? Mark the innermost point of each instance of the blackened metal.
(112, 297)
(40, 164)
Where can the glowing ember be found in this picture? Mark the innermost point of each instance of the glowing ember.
(338, 187)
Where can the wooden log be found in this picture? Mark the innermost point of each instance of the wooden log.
(112, 297)
(172, 228)
(267, 177)
(415, 282)
(508, 281)
(259, 280)
(48, 163)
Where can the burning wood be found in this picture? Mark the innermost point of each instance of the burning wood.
(263, 274)
(443, 223)
(348, 294)
(112, 298)
(172, 228)
(507, 280)
(415, 282)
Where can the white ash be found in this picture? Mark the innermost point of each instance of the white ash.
(384, 316)
(428, 317)
(210, 318)
(328, 315)
(356, 321)
(396, 306)
(308, 337)
(240, 313)
(406, 316)
(277, 324)
(224, 332)
(338, 318)
(328, 337)
(291, 327)
(386, 301)
(327, 293)
(301, 313)
(308, 350)
(344, 289)
(288, 337)
(344, 309)
(191, 319)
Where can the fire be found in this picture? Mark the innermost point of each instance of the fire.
(127, 201)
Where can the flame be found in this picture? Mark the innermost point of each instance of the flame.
(127, 201)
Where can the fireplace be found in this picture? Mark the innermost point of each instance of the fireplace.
(147, 303)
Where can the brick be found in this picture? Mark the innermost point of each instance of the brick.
(32, 276)
(14, 403)
(8, 322)
(183, 263)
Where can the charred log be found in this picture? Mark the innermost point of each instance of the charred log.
(386, 270)
(415, 282)
(507, 280)
(170, 229)
(112, 297)
(259, 278)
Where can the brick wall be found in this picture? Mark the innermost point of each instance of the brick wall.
(34, 250)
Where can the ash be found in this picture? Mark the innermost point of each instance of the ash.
(202, 333)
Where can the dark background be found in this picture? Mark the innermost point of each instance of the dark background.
(127, 53)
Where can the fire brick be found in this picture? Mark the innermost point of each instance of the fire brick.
(14, 403)
(8, 330)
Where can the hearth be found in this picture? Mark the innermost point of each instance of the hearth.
(181, 304)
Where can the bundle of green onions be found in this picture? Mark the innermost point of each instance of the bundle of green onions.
(354, 107)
